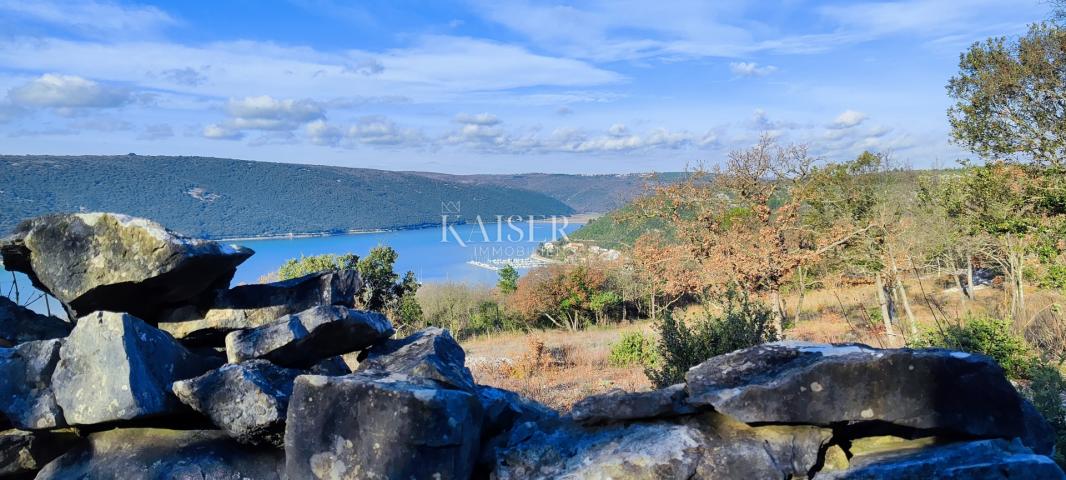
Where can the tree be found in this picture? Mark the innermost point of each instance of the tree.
(380, 289)
(298, 267)
(508, 282)
(560, 293)
(743, 223)
(1010, 97)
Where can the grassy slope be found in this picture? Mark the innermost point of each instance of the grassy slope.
(246, 198)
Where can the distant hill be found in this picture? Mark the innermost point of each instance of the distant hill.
(583, 193)
(217, 197)
(619, 229)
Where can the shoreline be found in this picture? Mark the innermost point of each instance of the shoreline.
(576, 219)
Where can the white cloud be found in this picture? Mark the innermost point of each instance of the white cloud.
(222, 132)
(436, 68)
(267, 113)
(848, 119)
(751, 69)
(68, 91)
(486, 119)
(378, 130)
(322, 133)
(89, 16)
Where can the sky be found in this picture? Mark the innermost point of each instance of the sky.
(477, 86)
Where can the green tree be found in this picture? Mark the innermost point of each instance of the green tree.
(298, 267)
(380, 288)
(742, 323)
(508, 279)
(1009, 96)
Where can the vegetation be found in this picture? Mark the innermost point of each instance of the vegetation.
(298, 267)
(215, 197)
(743, 322)
(987, 336)
(508, 279)
(618, 229)
(634, 348)
(382, 289)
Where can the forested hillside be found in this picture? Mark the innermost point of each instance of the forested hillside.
(215, 197)
(583, 193)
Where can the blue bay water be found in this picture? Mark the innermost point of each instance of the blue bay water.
(434, 255)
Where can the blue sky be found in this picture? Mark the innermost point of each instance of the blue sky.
(488, 86)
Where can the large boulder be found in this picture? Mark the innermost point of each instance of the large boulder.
(247, 400)
(802, 383)
(366, 426)
(107, 261)
(114, 366)
(706, 446)
(302, 339)
(250, 306)
(431, 354)
(151, 454)
(26, 395)
(22, 453)
(618, 405)
(994, 459)
(19, 324)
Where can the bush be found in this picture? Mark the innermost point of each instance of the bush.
(298, 267)
(1047, 389)
(633, 349)
(985, 335)
(743, 323)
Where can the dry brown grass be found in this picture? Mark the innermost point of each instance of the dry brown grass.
(559, 368)
(555, 367)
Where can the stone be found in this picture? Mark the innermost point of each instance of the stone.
(993, 459)
(113, 366)
(302, 339)
(22, 453)
(366, 426)
(108, 261)
(247, 400)
(619, 405)
(26, 395)
(835, 385)
(431, 353)
(503, 410)
(332, 366)
(250, 306)
(705, 446)
(149, 454)
(19, 324)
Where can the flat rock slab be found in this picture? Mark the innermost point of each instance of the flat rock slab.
(114, 366)
(361, 426)
(153, 454)
(22, 453)
(431, 354)
(827, 385)
(620, 405)
(19, 324)
(247, 400)
(702, 447)
(26, 395)
(302, 339)
(250, 306)
(108, 261)
(978, 460)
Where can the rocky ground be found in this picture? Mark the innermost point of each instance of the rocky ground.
(167, 373)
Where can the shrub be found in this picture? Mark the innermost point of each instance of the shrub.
(743, 323)
(634, 348)
(1047, 390)
(985, 335)
(298, 267)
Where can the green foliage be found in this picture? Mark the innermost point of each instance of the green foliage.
(466, 310)
(409, 311)
(985, 335)
(1007, 97)
(634, 348)
(619, 229)
(743, 323)
(298, 267)
(604, 302)
(1048, 388)
(215, 197)
(508, 279)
